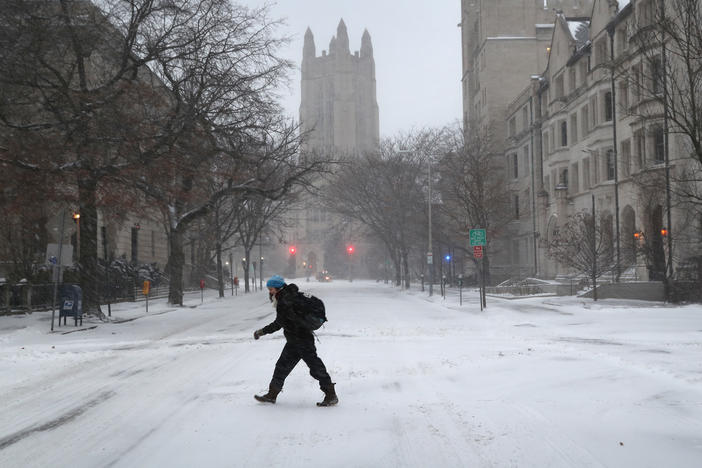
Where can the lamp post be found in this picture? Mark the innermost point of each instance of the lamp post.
(76, 219)
(430, 254)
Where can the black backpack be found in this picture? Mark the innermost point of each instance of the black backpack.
(310, 311)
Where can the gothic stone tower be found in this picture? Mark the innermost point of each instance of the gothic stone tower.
(339, 106)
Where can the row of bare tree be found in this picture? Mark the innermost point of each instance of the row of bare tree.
(119, 105)
(388, 193)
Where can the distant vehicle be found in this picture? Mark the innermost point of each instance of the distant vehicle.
(324, 276)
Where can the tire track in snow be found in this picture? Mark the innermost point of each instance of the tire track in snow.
(65, 418)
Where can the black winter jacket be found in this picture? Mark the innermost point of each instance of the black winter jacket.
(286, 317)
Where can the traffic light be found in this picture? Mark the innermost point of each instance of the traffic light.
(350, 249)
(664, 232)
(76, 217)
(292, 250)
(447, 258)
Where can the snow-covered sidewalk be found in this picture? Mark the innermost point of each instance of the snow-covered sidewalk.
(422, 382)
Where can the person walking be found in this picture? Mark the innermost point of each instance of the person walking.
(299, 344)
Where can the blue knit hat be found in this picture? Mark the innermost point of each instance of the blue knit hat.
(276, 281)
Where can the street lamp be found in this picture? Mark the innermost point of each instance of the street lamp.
(76, 219)
(430, 254)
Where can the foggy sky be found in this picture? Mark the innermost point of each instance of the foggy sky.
(417, 52)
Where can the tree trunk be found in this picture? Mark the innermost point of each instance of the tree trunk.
(220, 271)
(398, 271)
(218, 248)
(405, 263)
(87, 189)
(176, 261)
(246, 271)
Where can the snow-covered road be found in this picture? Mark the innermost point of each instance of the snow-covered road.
(540, 382)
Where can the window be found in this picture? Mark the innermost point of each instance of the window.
(640, 148)
(545, 143)
(135, 245)
(622, 39)
(574, 128)
(512, 126)
(515, 166)
(564, 133)
(593, 112)
(610, 164)
(656, 75)
(624, 95)
(608, 111)
(626, 158)
(574, 178)
(584, 120)
(572, 81)
(563, 180)
(658, 145)
(595, 168)
(601, 51)
(516, 206)
(525, 118)
(586, 173)
(559, 87)
(636, 83)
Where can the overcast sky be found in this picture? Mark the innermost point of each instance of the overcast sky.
(417, 53)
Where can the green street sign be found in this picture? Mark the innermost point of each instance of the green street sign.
(477, 237)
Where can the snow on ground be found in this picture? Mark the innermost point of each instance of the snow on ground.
(539, 382)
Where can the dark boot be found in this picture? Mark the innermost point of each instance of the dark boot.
(330, 397)
(269, 397)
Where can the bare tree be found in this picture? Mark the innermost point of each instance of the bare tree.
(584, 245)
(254, 217)
(383, 191)
(105, 91)
(473, 187)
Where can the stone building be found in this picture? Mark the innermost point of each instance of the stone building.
(339, 115)
(504, 43)
(338, 106)
(596, 133)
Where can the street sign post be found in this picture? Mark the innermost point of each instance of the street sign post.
(146, 288)
(478, 237)
(478, 240)
(430, 258)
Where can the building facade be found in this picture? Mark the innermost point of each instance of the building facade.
(338, 108)
(339, 118)
(504, 44)
(596, 126)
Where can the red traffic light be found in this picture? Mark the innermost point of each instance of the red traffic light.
(664, 232)
(292, 250)
(350, 249)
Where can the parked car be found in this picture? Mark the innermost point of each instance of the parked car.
(324, 276)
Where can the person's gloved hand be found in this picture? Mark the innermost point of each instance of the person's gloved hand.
(257, 334)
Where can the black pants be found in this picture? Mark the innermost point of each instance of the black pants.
(294, 350)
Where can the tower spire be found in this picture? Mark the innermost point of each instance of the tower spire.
(309, 50)
(366, 44)
(342, 38)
